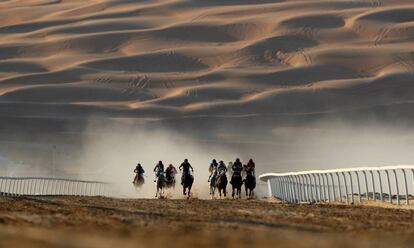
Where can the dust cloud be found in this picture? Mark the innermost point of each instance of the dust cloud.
(114, 151)
(107, 151)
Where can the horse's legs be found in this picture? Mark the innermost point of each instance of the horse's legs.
(232, 194)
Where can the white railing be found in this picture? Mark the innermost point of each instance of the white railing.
(51, 186)
(348, 185)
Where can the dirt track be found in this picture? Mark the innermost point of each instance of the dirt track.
(103, 222)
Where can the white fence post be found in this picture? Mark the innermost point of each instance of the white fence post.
(396, 184)
(366, 184)
(352, 187)
(359, 187)
(406, 188)
(374, 194)
(380, 184)
(346, 187)
(389, 186)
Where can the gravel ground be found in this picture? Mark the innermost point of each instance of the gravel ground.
(108, 222)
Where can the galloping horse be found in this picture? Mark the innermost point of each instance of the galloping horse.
(236, 183)
(187, 182)
(221, 184)
(138, 180)
(170, 181)
(249, 183)
(213, 184)
(161, 183)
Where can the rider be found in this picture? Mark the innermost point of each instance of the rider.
(170, 172)
(139, 172)
(185, 167)
(251, 167)
(158, 169)
(212, 169)
(230, 168)
(221, 168)
(237, 168)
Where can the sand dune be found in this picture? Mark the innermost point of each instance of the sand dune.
(140, 59)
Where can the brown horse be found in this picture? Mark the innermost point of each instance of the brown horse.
(187, 182)
(236, 183)
(161, 183)
(170, 181)
(138, 180)
(221, 184)
(249, 183)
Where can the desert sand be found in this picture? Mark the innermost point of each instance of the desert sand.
(170, 59)
(105, 222)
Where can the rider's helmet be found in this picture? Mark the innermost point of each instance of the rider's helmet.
(160, 162)
(237, 160)
(185, 160)
(139, 165)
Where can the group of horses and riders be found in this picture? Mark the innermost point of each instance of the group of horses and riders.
(165, 177)
(218, 178)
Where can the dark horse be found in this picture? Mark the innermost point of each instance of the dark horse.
(213, 184)
(138, 180)
(161, 183)
(170, 181)
(221, 184)
(249, 184)
(187, 182)
(236, 183)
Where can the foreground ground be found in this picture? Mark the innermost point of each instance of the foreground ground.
(104, 222)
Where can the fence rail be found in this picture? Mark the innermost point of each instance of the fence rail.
(51, 186)
(350, 185)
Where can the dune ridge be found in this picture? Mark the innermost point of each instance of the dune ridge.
(161, 58)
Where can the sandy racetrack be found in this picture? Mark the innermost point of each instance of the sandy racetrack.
(106, 222)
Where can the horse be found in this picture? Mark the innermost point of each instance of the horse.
(170, 181)
(138, 180)
(236, 183)
(221, 184)
(249, 184)
(213, 184)
(161, 183)
(187, 182)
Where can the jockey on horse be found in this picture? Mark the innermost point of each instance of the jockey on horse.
(158, 169)
(139, 177)
(170, 173)
(221, 168)
(251, 167)
(212, 169)
(237, 169)
(185, 167)
(236, 180)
